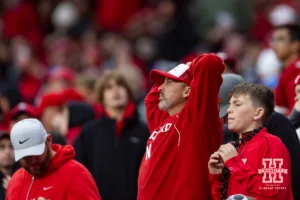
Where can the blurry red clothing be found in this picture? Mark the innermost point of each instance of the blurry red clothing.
(113, 14)
(22, 20)
(261, 28)
(251, 172)
(285, 90)
(64, 178)
(72, 134)
(29, 87)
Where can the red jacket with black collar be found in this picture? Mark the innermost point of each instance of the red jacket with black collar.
(261, 170)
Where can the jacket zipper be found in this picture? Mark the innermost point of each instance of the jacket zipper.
(29, 188)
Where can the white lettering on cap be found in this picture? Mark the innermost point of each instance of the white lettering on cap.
(178, 70)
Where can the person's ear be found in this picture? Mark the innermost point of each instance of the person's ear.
(259, 114)
(49, 139)
(295, 45)
(186, 91)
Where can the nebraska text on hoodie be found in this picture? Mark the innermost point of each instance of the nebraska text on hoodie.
(175, 162)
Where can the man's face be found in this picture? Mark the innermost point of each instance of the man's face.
(47, 117)
(57, 85)
(115, 95)
(171, 94)
(36, 165)
(297, 91)
(281, 44)
(241, 114)
(6, 153)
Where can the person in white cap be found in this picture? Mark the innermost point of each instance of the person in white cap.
(183, 116)
(48, 171)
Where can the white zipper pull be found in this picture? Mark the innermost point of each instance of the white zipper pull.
(30, 187)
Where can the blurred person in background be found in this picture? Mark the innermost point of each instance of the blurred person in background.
(285, 42)
(7, 163)
(84, 84)
(173, 43)
(52, 103)
(22, 111)
(114, 14)
(6, 73)
(294, 117)
(20, 18)
(59, 79)
(26, 111)
(118, 54)
(268, 68)
(217, 19)
(9, 98)
(29, 69)
(50, 106)
(71, 118)
(230, 63)
(113, 146)
(277, 124)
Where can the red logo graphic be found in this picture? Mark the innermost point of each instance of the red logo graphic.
(272, 170)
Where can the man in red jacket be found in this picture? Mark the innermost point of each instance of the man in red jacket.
(48, 171)
(286, 45)
(183, 116)
(258, 164)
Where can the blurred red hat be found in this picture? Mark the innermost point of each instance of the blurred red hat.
(23, 108)
(58, 99)
(62, 73)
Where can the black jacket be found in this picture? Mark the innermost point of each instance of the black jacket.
(280, 126)
(295, 118)
(113, 160)
(2, 190)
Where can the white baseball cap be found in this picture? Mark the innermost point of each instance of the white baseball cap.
(28, 138)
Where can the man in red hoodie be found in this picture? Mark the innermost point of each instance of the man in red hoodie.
(183, 116)
(258, 164)
(48, 171)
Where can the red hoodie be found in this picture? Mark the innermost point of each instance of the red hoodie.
(65, 179)
(178, 150)
(261, 170)
(285, 90)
